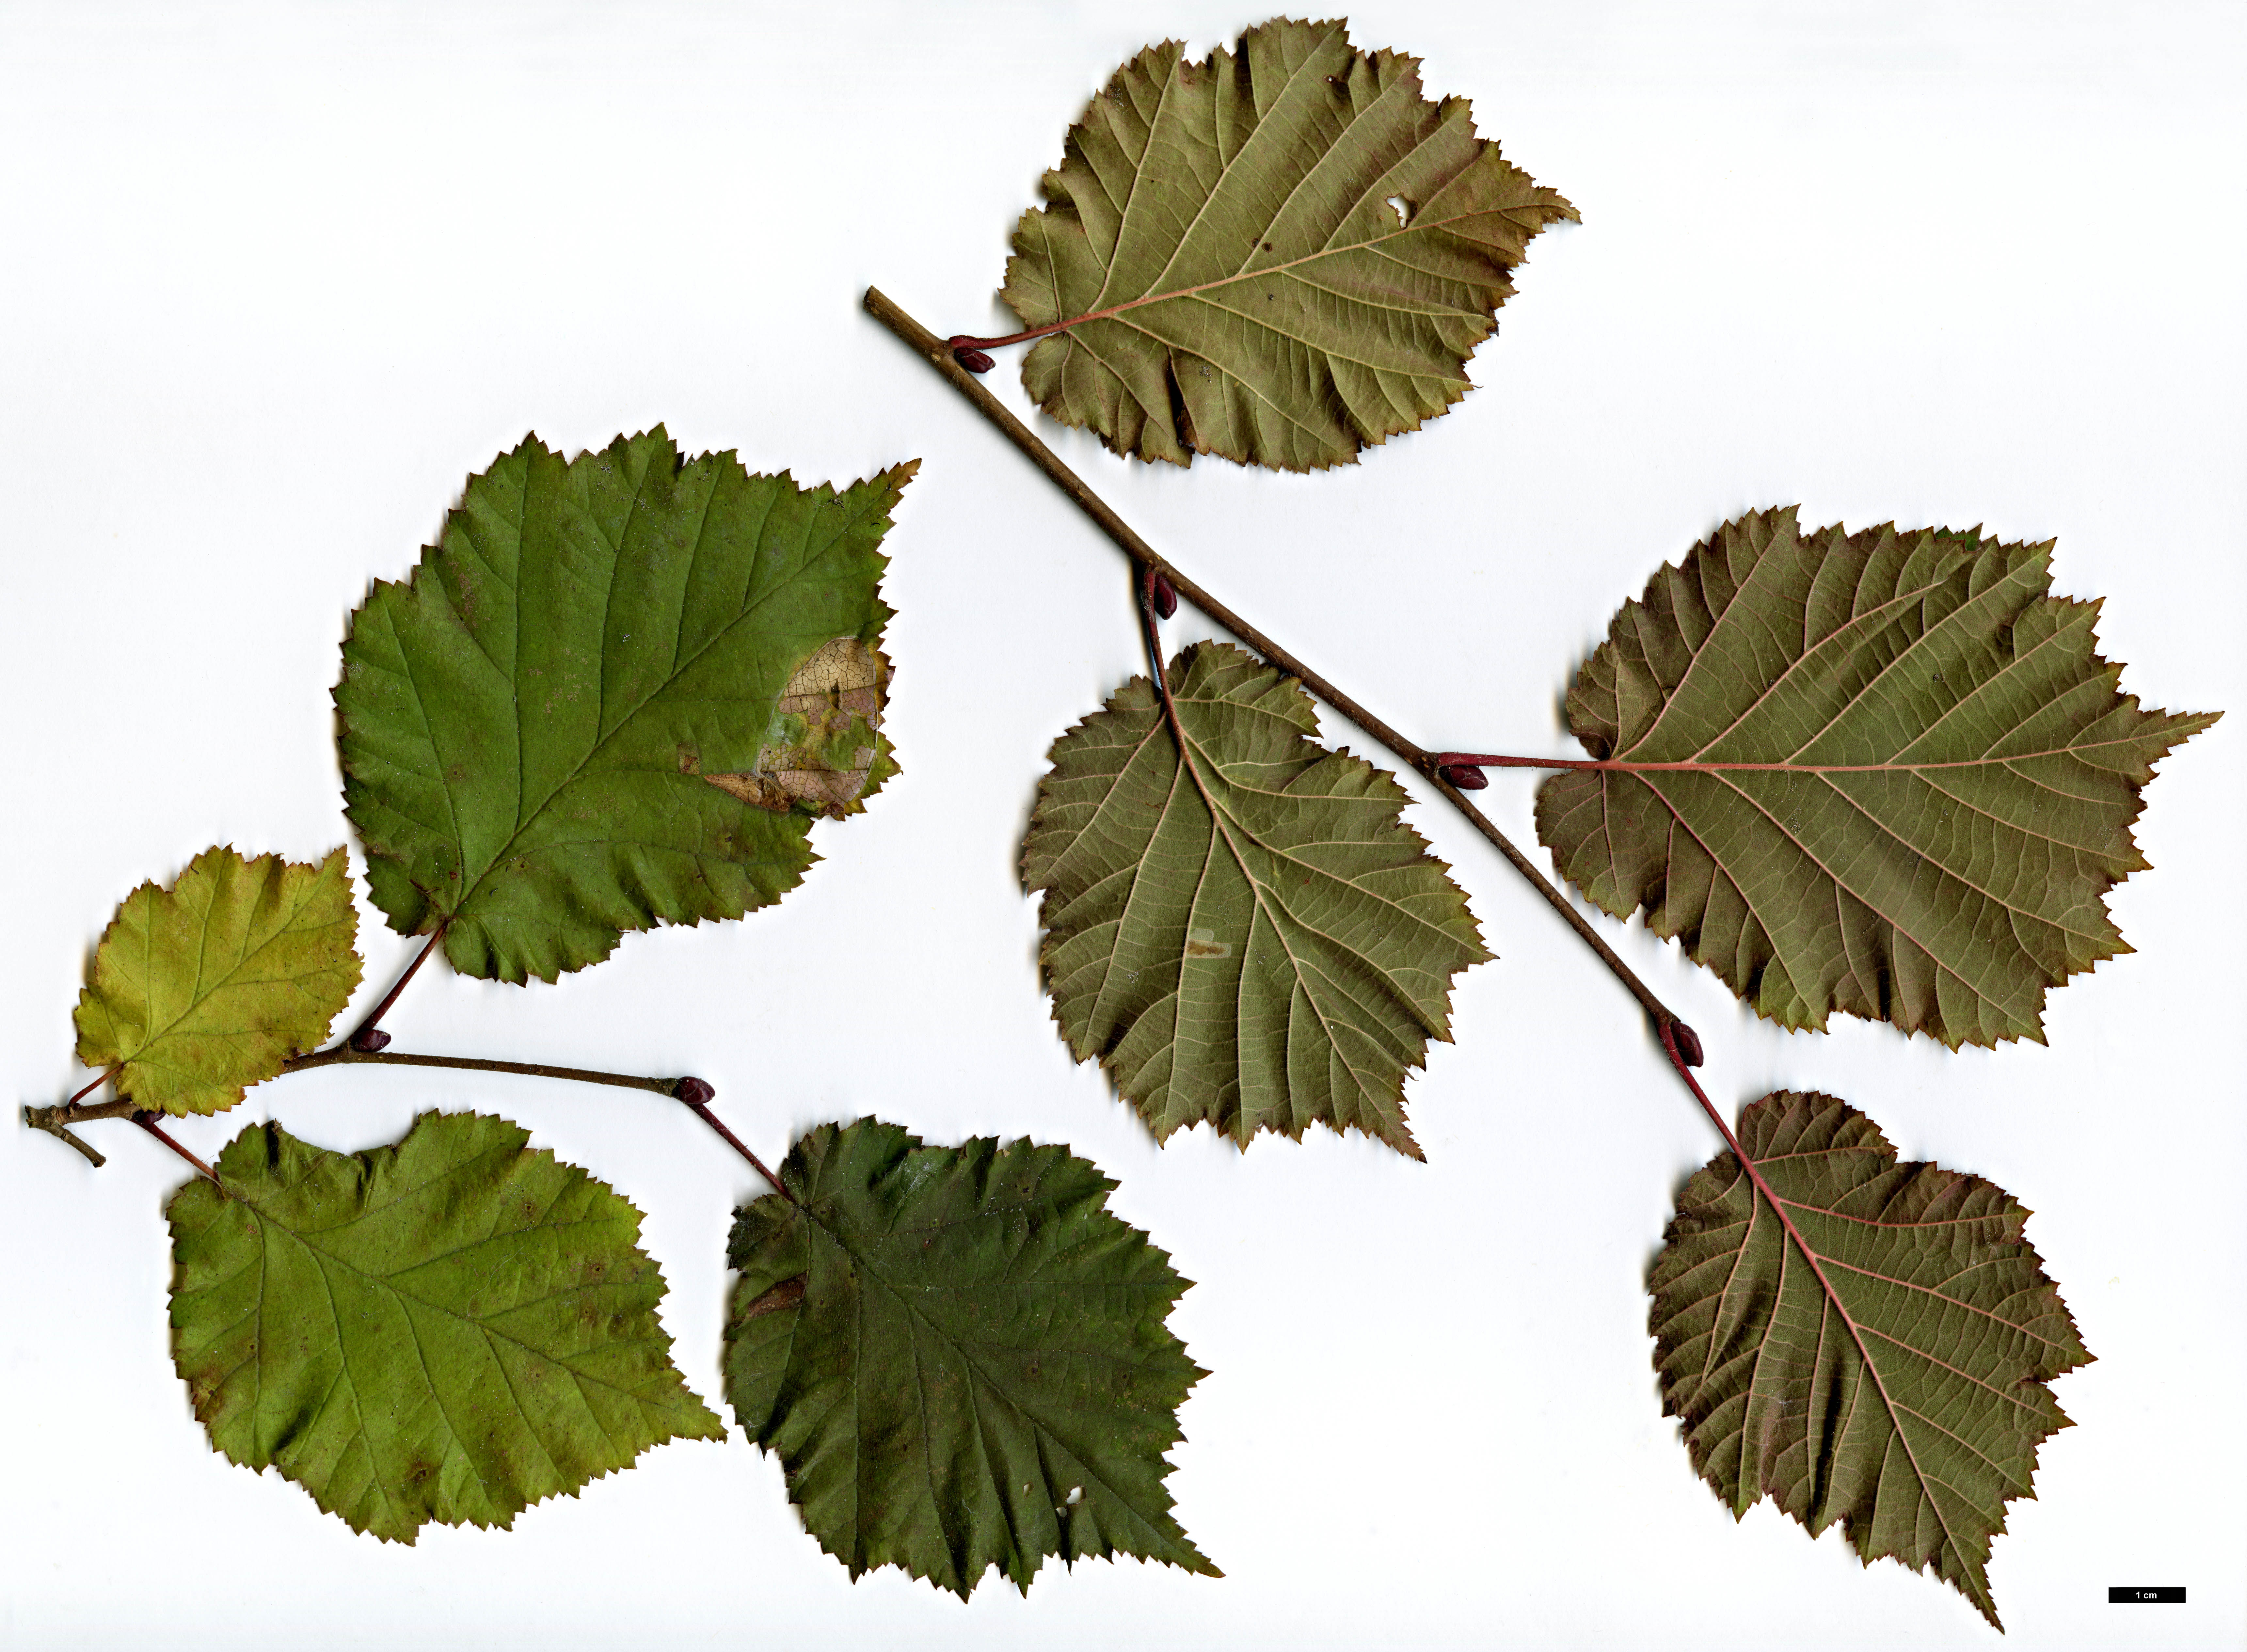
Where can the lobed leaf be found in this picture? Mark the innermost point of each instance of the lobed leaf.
(198, 991)
(614, 695)
(960, 1356)
(1221, 248)
(450, 1328)
(1884, 772)
(1859, 1340)
(1249, 936)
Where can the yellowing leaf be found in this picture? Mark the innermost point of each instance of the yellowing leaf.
(613, 696)
(1251, 936)
(450, 1328)
(959, 1357)
(1222, 247)
(202, 990)
(1859, 1340)
(1884, 773)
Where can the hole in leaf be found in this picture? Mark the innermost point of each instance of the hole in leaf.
(1402, 208)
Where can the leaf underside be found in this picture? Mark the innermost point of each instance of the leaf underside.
(202, 990)
(614, 695)
(1224, 231)
(450, 1328)
(1884, 772)
(960, 1356)
(1905, 1394)
(1280, 962)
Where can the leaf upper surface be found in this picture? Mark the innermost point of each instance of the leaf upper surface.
(960, 1356)
(1252, 938)
(198, 991)
(591, 709)
(450, 1328)
(1884, 772)
(1220, 239)
(1884, 1364)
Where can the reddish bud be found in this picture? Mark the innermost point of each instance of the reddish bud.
(972, 358)
(1163, 594)
(368, 1039)
(1688, 1042)
(693, 1091)
(1465, 776)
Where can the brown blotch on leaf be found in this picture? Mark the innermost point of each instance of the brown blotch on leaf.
(843, 681)
(787, 1293)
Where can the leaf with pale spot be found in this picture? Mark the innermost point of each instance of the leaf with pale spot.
(615, 694)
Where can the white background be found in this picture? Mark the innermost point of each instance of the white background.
(276, 279)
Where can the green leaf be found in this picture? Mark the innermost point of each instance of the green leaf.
(450, 1329)
(1859, 1340)
(202, 990)
(959, 1357)
(1252, 937)
(575, 719)
(1222, 249)
(1884, 773)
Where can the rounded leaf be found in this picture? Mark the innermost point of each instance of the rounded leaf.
(1280, 255)
(614, 695)
(198, 991)
(450, 1328)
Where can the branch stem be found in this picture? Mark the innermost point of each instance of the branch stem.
(938, 354)
(345, 1055)
(694, 1092)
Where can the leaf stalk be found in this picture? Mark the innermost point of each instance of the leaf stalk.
(147, 1121)
(368, 1037)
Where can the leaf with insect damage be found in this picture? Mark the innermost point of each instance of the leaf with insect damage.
(1248, 935)
(198, 991)
(1885, 773)
(1280, 255)
(615, 694)
(1862, 1341)
(450, 1328)
(960, 1356)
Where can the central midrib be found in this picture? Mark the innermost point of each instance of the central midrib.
(1856, 1336)
(1688, 765)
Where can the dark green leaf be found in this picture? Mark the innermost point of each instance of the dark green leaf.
(960, 1356)
(612, 697)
